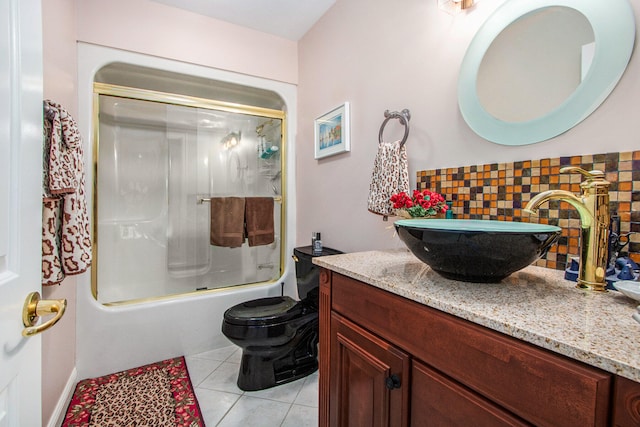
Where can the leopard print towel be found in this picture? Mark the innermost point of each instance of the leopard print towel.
(390, 176)
(66, 239)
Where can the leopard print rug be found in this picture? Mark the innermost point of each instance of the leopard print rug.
(159, 395)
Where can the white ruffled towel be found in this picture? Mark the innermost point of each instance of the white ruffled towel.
(390, 176)
(66, 240)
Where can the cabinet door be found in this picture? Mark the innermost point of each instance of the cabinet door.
(437, 401)
(369, 379)
(626, 411)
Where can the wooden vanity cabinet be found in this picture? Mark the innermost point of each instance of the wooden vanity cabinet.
(389, 361)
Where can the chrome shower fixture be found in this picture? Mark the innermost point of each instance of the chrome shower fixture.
(231, 140)
(260, 129)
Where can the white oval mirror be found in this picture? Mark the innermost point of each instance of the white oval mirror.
(510, 61)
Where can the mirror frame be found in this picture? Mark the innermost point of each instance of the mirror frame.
(614, 31)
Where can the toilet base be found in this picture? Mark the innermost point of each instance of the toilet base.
(263, 368)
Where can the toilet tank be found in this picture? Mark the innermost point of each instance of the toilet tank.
(308, 274)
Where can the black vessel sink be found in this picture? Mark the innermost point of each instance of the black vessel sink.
(476, 250)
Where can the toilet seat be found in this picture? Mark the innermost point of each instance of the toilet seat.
(263, 311)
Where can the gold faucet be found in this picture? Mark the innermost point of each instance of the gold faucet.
(593, 208)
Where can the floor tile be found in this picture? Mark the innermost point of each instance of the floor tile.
(301, 416)
(235, 357)
(255, 412)
(224, 378)
(220, 354)
(199, 368)
(286, 393)
(308, 395)
(215, 404)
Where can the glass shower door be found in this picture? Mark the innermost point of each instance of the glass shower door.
(158, 165)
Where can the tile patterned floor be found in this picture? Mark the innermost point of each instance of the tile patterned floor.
(223, 404)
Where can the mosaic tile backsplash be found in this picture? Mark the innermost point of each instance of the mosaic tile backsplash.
(500, 191)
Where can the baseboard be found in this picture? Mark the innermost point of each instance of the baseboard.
(60, 410)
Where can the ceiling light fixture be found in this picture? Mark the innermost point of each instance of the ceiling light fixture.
(454, 7)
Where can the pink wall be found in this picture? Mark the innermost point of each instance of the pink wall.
(381, 55)
(155, 29)
(59, 64)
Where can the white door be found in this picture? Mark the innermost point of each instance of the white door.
(20, 207)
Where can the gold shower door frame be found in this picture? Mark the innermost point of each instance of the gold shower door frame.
(100, 89)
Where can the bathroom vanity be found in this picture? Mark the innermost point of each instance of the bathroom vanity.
(402, 346)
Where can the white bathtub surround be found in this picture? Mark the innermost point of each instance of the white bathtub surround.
(111, 339)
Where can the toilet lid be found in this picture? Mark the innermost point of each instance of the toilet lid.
(263, 311)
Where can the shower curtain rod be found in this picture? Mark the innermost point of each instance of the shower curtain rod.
(202, 200)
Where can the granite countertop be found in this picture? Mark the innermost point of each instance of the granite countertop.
(536, 305)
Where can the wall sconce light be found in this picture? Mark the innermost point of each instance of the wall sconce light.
(231, 140)
(454, 7)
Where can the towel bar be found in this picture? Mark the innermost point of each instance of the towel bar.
(404, 116)
(202, 200)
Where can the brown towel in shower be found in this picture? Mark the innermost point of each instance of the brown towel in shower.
(259, 219)
(227, 221)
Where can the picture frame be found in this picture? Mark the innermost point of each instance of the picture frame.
(332, 133)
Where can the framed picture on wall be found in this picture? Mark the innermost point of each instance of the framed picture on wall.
(331, 134)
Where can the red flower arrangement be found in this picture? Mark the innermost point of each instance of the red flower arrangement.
(422, 204)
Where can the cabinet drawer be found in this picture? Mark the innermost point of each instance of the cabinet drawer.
(537, 385)
(436, 401)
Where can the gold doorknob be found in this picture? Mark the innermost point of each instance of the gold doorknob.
(34, 307)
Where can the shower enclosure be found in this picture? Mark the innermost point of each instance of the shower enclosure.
(159, 159)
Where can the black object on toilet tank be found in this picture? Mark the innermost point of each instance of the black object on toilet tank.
(307, 273)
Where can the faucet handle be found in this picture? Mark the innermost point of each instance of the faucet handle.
(597, 174)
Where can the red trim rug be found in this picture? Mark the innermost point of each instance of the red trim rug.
(159, 394)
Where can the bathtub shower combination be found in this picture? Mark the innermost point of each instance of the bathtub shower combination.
(160, 134)
(160, 158)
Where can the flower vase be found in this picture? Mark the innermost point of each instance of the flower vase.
(403, 214)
